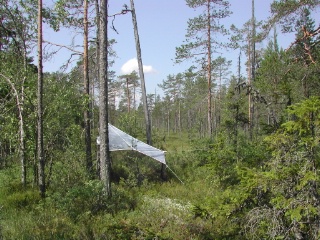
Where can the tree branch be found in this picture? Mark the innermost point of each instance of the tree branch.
(123, 12)
(306, 35)
(63, 46)
(65, 66)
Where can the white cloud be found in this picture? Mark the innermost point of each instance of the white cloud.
(132, 65)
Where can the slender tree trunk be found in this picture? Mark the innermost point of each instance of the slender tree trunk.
(219, 99)
(175, 130)
(214, 113)
(97, 74)
(253, 41)
(41, 160)
(200, 122)
(143, 86)
(252, 52)
(189, 119)
(86, 91)
(105, 161)
(236, 130)
(97, 38)
(128, 94)
(179, 118)
(22, 142)
(19, 103)
(134, 96)
(209, 71)
(249, 90)
(35, 162)
(168, 122)
(253, 68)
(22, 129)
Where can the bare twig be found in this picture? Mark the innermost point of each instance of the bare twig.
(65, 66)
(63, 46)
(123, 11)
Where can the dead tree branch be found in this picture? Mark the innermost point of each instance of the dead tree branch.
(123, 12)
(63, 46)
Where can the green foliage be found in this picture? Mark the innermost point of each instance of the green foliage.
(65, 14)
(272, 192)
(290, 178)
(128, 123)
(14, 195)
(235, 186)
(86, 198)
(22, 199)
(40, 223)
(196, 40)
(286, 12)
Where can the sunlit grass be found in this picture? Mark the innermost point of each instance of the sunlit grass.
(177, 142)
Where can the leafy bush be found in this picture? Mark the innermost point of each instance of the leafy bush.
(81, 198)
(22, 199)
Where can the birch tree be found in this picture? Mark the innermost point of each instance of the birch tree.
(40, 152)
(86, 90)
(15, 41)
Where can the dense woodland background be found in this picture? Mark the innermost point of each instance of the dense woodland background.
(245, 147)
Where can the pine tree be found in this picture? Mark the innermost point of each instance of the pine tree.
(200, 41)
(105, 161)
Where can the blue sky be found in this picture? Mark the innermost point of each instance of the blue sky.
(162, 27)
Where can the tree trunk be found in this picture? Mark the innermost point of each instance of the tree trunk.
(97, 74)
(86, 91)
(22, 142)
(41, 160)
(252, 61)
(237, 93)
(249, 90)
(179, 118)
(253, 41)
(21, 113)
(19, 103)
(128, 95)
(105, 161)
(168, 122)
(134, 96)
(219, 99)
(209, 71)
(143, 86)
